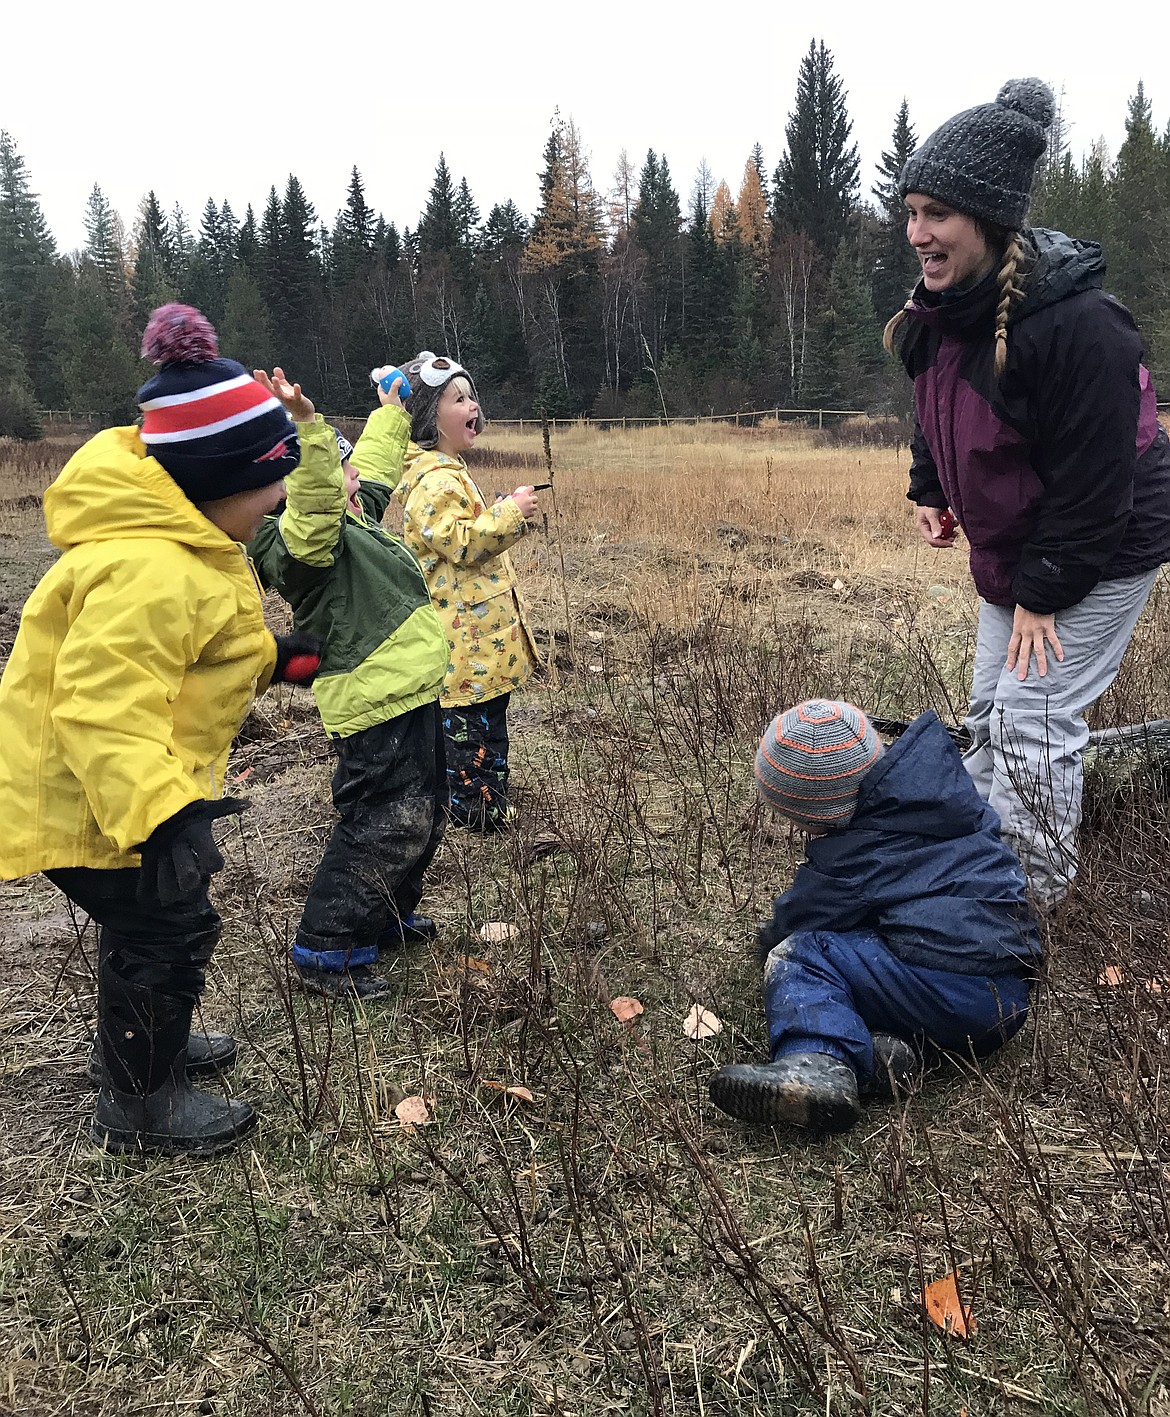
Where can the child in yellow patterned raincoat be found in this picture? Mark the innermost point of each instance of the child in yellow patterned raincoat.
(461, 540)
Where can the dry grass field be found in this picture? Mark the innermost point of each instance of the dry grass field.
(599, 1239)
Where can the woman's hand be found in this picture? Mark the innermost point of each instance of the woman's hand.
(932, 527)
(1029, 633)
(298, 406)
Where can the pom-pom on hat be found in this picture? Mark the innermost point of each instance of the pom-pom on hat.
(428, 375)
(812, 758)
(206, 419)
(982, 161)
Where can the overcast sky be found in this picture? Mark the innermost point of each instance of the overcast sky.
(224, 100)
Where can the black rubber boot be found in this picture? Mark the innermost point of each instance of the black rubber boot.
(146, 1103)
(897, 1068)
(801, 1089)
(207, 1054)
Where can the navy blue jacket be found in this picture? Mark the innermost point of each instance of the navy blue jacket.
(921, 863)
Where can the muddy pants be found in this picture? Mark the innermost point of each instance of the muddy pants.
(1028, 738)
(390, 791)
(477, 763)
(829, 993)
(151, 971)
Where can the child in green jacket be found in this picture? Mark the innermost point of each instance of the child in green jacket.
(362, 592)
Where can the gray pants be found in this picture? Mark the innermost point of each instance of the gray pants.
(1028, 737)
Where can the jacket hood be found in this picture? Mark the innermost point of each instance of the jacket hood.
(919, 785)
(111, 489)
(1064, 266)
(417, 462)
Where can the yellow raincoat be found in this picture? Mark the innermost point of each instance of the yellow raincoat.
(461, 542)
(137, 660)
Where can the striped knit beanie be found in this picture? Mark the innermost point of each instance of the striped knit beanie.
(205, 419)
(812, 758)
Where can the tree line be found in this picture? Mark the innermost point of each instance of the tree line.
(616, 302)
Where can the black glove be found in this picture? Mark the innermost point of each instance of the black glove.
(298, 657)
(180, 856)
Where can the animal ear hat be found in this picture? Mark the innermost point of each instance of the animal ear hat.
(428, 375)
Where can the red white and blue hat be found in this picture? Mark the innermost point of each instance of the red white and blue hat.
(206, 419)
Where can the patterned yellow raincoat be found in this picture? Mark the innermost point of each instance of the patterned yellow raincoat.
(461, 541)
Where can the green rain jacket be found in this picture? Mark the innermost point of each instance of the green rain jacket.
(352, 583)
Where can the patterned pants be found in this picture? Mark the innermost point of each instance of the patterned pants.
(477, 763)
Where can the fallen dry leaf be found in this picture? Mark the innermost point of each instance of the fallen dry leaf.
(944, 1308)
(413, 1112)
(626, 1009)
(496, 932)
(508, 1089)
(546, 844)
(473, 963)
(1111, 977)
(701, 1023)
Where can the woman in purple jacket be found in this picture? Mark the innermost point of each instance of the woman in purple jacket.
(1037, 435)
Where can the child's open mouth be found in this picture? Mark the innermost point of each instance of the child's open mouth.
(471, 422)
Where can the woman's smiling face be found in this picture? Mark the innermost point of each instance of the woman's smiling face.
(950, 247)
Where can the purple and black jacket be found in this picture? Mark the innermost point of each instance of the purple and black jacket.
(1059, 472)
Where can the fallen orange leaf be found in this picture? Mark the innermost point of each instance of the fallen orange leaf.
(508, 1089)
(944, 1307)
(473, 963)
(701, 1023)
(626, 1009)
(1111, 977)
(413, 1112)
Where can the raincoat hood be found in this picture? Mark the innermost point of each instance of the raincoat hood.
(93, 498)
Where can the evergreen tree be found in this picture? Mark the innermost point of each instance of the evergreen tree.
(104, 245)
(248, 252)
(27, 254)
(18, 405)
(154, 260)
(466, 216)
(851, 362)
(246, 331)
(816, 181)
(655, 225)
(438, 229)
(896, 267)
(505, 229)
(1139, 242)
(353, 234)
(99, 369)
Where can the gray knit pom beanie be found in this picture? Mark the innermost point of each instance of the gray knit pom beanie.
(428, 375)
(812, 758)
(982, 161)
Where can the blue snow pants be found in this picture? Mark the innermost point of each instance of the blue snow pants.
(829, 993)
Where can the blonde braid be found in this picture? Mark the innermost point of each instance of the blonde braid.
(893, 326)
(1009, 294)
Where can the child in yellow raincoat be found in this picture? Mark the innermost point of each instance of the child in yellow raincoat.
(461, 539)
(138, 657)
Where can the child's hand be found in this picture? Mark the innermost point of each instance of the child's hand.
(391, 395)
(525, 499)
(298, 405)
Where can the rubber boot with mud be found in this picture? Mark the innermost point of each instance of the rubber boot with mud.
(147, 1104)
(809, 1090)
(897, 1069)
(207, 1054)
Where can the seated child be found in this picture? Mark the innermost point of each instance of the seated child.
(361, 591)
(139, 655)
(907, 928)
(461, 539)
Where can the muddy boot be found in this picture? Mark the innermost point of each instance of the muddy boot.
(146, 1103)
(357, 982)
(809, 1090)
(897, 1069)
(412, 929)
(207, 1054)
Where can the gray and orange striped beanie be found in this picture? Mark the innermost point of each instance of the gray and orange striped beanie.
(812, 758)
